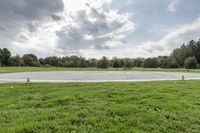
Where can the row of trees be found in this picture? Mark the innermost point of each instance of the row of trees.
(188, 56)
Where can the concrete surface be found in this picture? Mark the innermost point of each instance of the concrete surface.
(92, 76)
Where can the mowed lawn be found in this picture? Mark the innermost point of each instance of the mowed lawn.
(167, 106)
(38, 69)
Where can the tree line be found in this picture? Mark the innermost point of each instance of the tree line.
(188, 56)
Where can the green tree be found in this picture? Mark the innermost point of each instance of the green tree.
(116, 64)
(191, 63)
(17, 61)
(197, 49)
(163, 61)
(103, 63)
(128, 63)
(31, 60)
(174, 63)
(138, 62)
(92, 62)
(52, 61)
(151, 63)
(83, 63)
(182, 53)
(5, 57)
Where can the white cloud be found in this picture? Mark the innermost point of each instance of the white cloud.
(77, 25)
(85, 27)
(93, 27)
(77, 5)
(171, 40)
(172, 7)
(181, 34)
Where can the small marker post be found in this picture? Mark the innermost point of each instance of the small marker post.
(28, 80)
(183, 77)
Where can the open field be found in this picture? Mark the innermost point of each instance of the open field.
(167, 106)
(36, 69)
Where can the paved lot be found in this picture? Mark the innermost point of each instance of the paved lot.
(74, 76)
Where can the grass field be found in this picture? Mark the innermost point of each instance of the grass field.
(36, 69)
(167, 106)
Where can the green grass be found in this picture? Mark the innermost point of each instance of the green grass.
(166, 106)
(36, 69)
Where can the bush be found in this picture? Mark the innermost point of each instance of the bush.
(151, 63)
(191, 63)
(47, 65)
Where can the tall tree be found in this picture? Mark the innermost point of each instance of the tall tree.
(17, 61)
(151, 63)
(103, 63)
(191, 63)
(197, 48)
(31, 60)
(163, 61)
(5, 57)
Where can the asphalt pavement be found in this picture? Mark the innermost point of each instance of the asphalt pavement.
(94, 76)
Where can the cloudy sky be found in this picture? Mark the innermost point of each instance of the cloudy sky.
(93, 28)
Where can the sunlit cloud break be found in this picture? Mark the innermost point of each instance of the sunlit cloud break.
(96, 27)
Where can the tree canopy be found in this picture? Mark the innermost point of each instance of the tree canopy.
(188, 56)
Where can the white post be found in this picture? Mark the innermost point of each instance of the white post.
(28, 80)
(183, 77)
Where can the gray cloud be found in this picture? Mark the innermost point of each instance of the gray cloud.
(30, 9)
(94, 25)
(32, 25)
(56, 17)
(172, 40)
(17, 15)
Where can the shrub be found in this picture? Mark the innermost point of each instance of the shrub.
(191, 63)
(47, 65)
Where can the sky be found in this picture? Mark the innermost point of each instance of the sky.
(96, 28)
